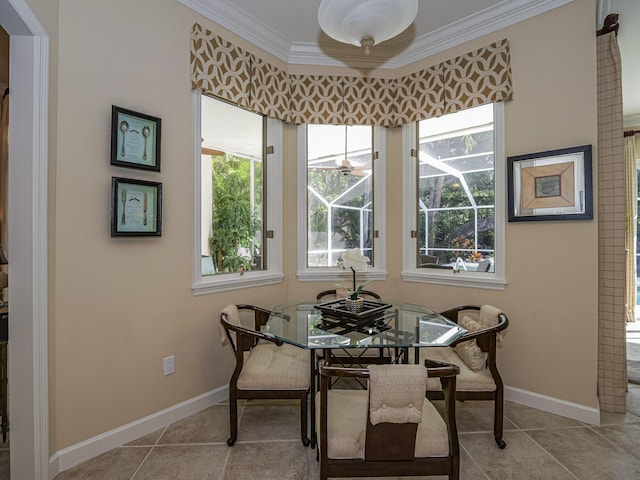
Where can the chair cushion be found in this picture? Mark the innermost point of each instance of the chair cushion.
(467, 380)
(233, 317)
(489, 316)
(396, 393)
(272, 367)
(470, 353)
(347, 426)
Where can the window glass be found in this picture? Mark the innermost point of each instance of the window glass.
(455, 190)
(232, 186)
(339, 192)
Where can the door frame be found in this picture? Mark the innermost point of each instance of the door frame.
(27, 240)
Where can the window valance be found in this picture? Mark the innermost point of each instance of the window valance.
(226, 71)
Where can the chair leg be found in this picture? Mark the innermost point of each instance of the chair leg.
(303, 421)
(455, 468)
(498, 416)
(233, 417)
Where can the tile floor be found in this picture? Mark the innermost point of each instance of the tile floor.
(539, 446)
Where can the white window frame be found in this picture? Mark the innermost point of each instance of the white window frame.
(336, 274)
(410, 272)
(203, 285)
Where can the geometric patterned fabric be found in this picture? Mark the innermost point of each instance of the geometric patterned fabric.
(223, 70)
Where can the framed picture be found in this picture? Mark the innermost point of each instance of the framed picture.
(135, 139)
(136, 208)
(552, 185)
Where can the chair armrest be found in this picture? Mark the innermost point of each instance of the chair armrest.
(503, 323)
(441, 369)
(252, 333)
(261, 315)
(452, 313)
(331, 371)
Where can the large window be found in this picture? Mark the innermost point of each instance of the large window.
(340, 192)
(458, 205)
(234, 233)
(339, 196)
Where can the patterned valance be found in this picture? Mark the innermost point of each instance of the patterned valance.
(477, 78)
(223, 70)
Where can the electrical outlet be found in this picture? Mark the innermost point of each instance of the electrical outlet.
(169, 365)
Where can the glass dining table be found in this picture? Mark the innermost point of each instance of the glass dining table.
(390, 327)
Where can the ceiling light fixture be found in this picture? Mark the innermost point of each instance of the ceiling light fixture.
(365, 23)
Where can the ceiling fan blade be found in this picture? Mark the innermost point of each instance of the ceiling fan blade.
(320, 167)
(211, 151)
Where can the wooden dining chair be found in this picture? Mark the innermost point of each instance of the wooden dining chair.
(475, 355)
(391, 429)
(266, 368)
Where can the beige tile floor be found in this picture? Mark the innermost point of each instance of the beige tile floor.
(539, 446)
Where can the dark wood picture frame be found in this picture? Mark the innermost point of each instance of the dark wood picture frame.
(136, 208)
(550, 185)
(135, 139)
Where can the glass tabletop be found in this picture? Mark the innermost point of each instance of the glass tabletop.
(326, 326)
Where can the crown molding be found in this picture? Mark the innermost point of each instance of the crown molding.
(242, 23)
(474, 26)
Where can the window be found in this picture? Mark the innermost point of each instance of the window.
(340, 198)
(457, 205)
(235, 237)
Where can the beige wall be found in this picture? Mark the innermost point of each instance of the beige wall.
(551, 296)
(118, 306)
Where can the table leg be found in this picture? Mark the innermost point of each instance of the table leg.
(312, 394)
(3, 390)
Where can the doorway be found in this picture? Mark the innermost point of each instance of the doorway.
(27, 240)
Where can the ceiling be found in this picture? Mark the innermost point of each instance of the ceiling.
(289, 30)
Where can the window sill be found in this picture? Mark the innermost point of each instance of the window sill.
(235, 281)
(460, 279)
(334, 275)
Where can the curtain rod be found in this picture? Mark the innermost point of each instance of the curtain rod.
(631, 133)
(610, 25)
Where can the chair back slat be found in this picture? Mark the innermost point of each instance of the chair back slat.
(379, 448)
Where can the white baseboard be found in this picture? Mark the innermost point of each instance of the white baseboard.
(83, 451)
(575, 411)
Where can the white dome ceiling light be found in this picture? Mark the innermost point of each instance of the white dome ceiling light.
(365, 23)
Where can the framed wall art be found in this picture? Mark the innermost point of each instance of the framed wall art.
(135, 139)
(551, 185)
(136, 208)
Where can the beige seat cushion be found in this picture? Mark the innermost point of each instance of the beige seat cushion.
(467, 380)
(347, 425)
(269, 367)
